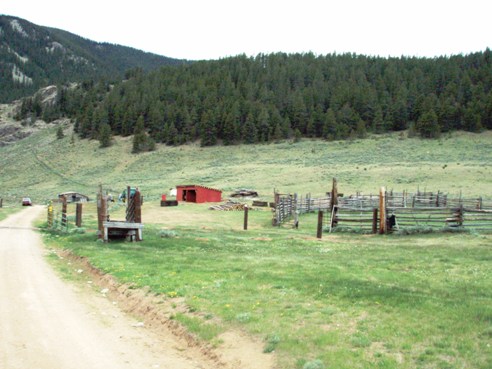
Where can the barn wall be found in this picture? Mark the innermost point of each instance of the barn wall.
(202, 194)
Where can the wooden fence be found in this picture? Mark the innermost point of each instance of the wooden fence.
(387, 211)
(60, 215)
(406, 210)
(289, 207)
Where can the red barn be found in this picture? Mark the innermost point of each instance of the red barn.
(198, 194)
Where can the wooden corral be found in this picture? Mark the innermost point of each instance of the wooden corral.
(388, 211)
(391, 211)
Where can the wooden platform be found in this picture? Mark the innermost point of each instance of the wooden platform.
(130, 231)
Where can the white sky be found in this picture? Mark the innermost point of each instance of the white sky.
(213, 29)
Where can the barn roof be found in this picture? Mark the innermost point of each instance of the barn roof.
(198, 186)
(68, 193)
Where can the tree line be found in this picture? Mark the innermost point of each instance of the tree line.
(278, 96)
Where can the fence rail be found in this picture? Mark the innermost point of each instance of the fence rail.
(388, 210)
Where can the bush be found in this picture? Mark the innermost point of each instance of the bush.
(167, 233)
(315, 364)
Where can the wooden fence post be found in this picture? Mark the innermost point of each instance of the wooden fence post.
(78, 215)
(319, 233)
(50, 215)
(382, 210)
(296, 212)
(246, 211)
(375, 220)
(101, 214)
(64, 220)
(138, 207)
(334, 194)
(1, 202)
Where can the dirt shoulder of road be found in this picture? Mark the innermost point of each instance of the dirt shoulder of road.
(237, 350)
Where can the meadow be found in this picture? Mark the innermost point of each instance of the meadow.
(346, 301)
(41, 166)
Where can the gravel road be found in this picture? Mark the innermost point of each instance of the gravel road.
(46, 323)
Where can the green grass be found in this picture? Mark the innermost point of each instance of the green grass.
(348, 301)
(7, 210)
(42, 166)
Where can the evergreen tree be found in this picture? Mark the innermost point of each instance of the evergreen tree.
(243, 99)
(250, 133)
(59, 133)
(427, 125)
(264, 125)
(329, 125)
(173, 135)
(139, 136)
(378, 124)
(104, 135)
(208, 132)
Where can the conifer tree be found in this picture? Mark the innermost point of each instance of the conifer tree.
(139, 136)
(105, 135)
(427, 125)
(59, 133)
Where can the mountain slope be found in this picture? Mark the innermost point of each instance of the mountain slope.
(41, 166)
(33, 56)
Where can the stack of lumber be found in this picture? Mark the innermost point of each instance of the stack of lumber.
(228, 206)
(244, 193)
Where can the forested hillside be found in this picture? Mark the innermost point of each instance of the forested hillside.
(270, 97)
(33, 56)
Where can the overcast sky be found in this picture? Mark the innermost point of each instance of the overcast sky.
(213, 29)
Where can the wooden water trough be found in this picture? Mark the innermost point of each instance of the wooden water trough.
(131, 228)
(120, 229)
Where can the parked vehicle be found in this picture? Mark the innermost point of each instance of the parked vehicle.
(26, 201)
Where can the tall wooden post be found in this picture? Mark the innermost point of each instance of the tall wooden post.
(138, 207)
(78, 215)
(334, 194)
(1, 202)
(375, 220)
(101, 214)
(64, 221)
(319, 232)
(246, 211)
(382, 210)
(295, 210)
(50, 215)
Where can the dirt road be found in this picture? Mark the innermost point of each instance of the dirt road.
(46, 323)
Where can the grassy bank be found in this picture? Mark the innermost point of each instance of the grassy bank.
(349, 301)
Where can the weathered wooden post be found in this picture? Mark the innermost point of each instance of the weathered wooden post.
(101, 213)
(50, 215)
(1, 202)
(382, 210)
(295, 210)
(375, 220)
(64, 221)
(334, 194)
(78, 215)
(138, 206)
(319, 232)
(246, 211)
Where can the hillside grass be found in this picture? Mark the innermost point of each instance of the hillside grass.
(42, 166)
(347, 301)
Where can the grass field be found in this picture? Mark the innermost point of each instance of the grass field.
(347, 301)
(42, 166)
